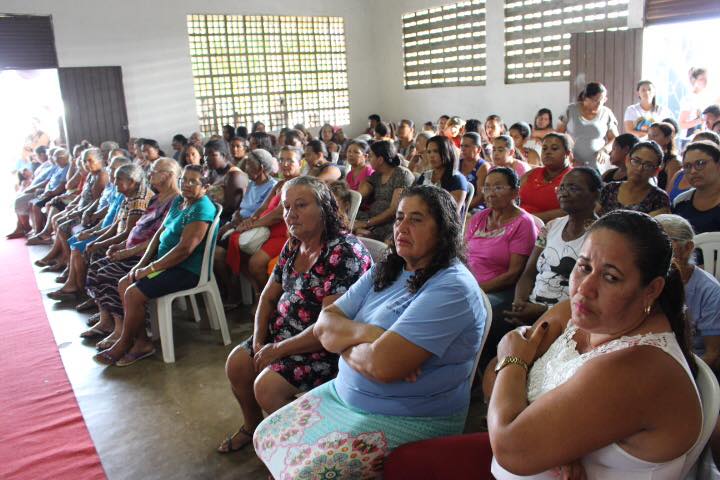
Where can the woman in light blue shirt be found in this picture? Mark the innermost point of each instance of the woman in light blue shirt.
(408, 332)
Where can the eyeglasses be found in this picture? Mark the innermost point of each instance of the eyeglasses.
(647, 166)
(495, 189)
(699, 166)
(573, 189)
(190, 183)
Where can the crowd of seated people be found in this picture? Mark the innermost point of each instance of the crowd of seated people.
(581, 237)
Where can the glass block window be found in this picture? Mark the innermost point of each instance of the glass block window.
(537, 34)
(274, 69)
(445, 46)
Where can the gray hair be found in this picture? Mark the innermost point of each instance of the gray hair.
(108, 146)
(425, 135)
(131, 172)
(265, 159)
(296, 151)
(170, 164)
(676, 227)
(120, 161)
(92, 152)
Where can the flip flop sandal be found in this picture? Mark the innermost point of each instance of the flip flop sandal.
(105, 343)
(104, 358)
(130, 358)
(95, 332)
(228, 441)
(93, 320)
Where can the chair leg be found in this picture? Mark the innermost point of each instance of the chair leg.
(220, 319)
(164, 314)
(210, 310)
(153, 314)
(246, 290)
(196, 311)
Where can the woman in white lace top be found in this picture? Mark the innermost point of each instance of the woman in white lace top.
(611, 389)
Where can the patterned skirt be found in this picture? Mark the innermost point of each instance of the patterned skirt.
(319, 436)
(102, 282)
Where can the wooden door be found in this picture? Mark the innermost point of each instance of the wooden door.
(94, 104)
(613, 58)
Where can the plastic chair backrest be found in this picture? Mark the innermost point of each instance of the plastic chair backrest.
(709, 244)
(209, 252)
(709, 390)
(466, 209)
(376, 248)
(486, 331)
(355, 201)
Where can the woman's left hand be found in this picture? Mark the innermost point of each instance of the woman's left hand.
(142, 272)
(523, 342)
(266, 355)
(572, 471)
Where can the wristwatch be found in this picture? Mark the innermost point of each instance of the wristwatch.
(511, 360)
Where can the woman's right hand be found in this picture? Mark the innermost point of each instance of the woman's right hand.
(572, 471)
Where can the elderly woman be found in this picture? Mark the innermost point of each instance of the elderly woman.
(702, 290)
(408, 333)
(701, 204)
(130, 182)
(105, 273)
(384, 187)
(444, 164)
(546, 278)
(316, 155)
(229, 258)
(317, 265)
(638, 192)
(228, 183)
(258, 165)
(172, 262)
(54, 187)
(537, 188)
(552, 414)
(500, 240)
(592, 125)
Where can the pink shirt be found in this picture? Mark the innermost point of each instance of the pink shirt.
(353, 181)
(489, 251)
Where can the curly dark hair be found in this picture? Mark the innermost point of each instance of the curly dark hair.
(450, 244)
(335, 224)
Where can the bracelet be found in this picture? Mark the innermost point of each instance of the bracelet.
(511, 360)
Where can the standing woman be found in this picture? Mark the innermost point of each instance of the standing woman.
(638, 192)
(693, 103)
(592, 125)
(664, 135)
(357, 158)
(640, 116)
(444, 163)
(383, 188)
(538, 188)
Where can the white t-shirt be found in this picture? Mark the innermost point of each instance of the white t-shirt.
(644, 118)
(694, 103)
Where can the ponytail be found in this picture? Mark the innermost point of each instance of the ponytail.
(672, 303)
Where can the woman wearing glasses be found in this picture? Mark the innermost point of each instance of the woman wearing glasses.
(172, 262)
(638, 192)
(499, 241)
(701, 204)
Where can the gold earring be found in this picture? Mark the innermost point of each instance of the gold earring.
(647, 310)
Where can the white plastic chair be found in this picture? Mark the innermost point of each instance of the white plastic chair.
(376, 248)
(161, 308)
(466, 209)
(710, 397)
(486, 333)
(709, 244)
(355, 201)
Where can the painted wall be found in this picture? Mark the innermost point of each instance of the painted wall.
(148, 39)
(512, 102)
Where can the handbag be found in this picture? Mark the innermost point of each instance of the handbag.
(250, 241)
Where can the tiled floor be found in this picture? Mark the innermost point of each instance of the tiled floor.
(163, 421)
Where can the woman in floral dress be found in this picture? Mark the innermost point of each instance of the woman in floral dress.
(320, 261)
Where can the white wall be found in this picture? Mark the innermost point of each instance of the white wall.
(512, 102)
(148, 39)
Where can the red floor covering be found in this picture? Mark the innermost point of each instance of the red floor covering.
(42, 432)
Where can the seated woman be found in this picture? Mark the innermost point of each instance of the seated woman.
(318, 264)
(229, 259)
(542, 125)
(546, 278)
(473, 165)
(664, 135)
(191, 155)
(418, 162)
(357, 158)
(238, 152)
(259, 166)
(551, 413)
(503, 155)
(701, 204)
(538, 187)
(520, 133)
(702, 291)
(444, 162)
(408, 333)
(619, 152)
(453, 130)
(638, 192)
(130, 182)
(316, 155)
(382, 191)
(104, 274)
(228, 183)
(679, 183)
(499, 242)
(406, 139)
(172, 262)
